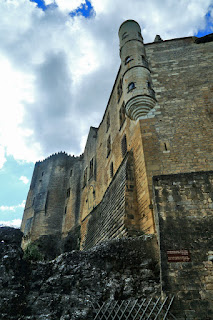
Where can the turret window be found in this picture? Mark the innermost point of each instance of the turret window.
(131, 86)
(128, 59)
(125, 34)
(151, 91)
(149, 85)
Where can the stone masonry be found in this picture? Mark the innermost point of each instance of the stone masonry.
(157, 123)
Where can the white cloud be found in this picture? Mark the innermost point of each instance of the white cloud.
(13, 208)
(24, 179)
(2, 156)
(16, 223)
(68, 6)
(57, 71)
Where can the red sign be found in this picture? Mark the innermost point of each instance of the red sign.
(178, 256)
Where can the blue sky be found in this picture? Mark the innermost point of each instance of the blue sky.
(58, 61)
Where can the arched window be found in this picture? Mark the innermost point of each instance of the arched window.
(131, 86)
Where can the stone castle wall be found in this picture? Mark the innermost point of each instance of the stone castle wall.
(184, 219)
(116, 215)
(45, 205)
(174, 137)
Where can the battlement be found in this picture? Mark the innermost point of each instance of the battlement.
(158, 111)
(147, 168)
(61, 154)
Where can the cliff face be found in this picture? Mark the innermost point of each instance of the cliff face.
(65, 288)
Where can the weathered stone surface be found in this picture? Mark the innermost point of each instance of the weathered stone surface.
(65, 287)
(174, 137)
(13, 274)
(185, 223)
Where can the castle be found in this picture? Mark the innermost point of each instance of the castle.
(158, 121)
(147, 168)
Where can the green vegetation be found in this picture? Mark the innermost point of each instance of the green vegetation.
(32, 253)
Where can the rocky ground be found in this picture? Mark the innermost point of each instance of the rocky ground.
(65, 287)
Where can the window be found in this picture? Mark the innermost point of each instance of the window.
(91, 168)
(65, 210)
(125, 34)
(108, 146)
(128, 59)
(131, 86)
(71, 173)
(42, 173)
(151, 91)
(123, 146)
(122, 115)
(119, 90)
(85, 177)
(108, 122)
(149, 85)
(68, 192)
(111, 170)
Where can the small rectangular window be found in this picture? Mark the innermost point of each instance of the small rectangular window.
(122, 115)
(111, 170)
(68, 192)
(108, 122)
(108, 146)
(85, 177)
(119, 90)
(91, 168)
(123, 146)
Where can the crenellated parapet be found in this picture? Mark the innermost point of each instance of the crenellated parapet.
(61, 154)
(139, 95)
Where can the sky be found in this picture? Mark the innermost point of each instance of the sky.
(58, 62)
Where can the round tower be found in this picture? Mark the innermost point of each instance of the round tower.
(139, 95)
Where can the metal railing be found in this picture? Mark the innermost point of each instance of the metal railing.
(145, 309)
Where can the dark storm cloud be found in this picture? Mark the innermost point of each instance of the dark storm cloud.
(50, 116)
(74, 62)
